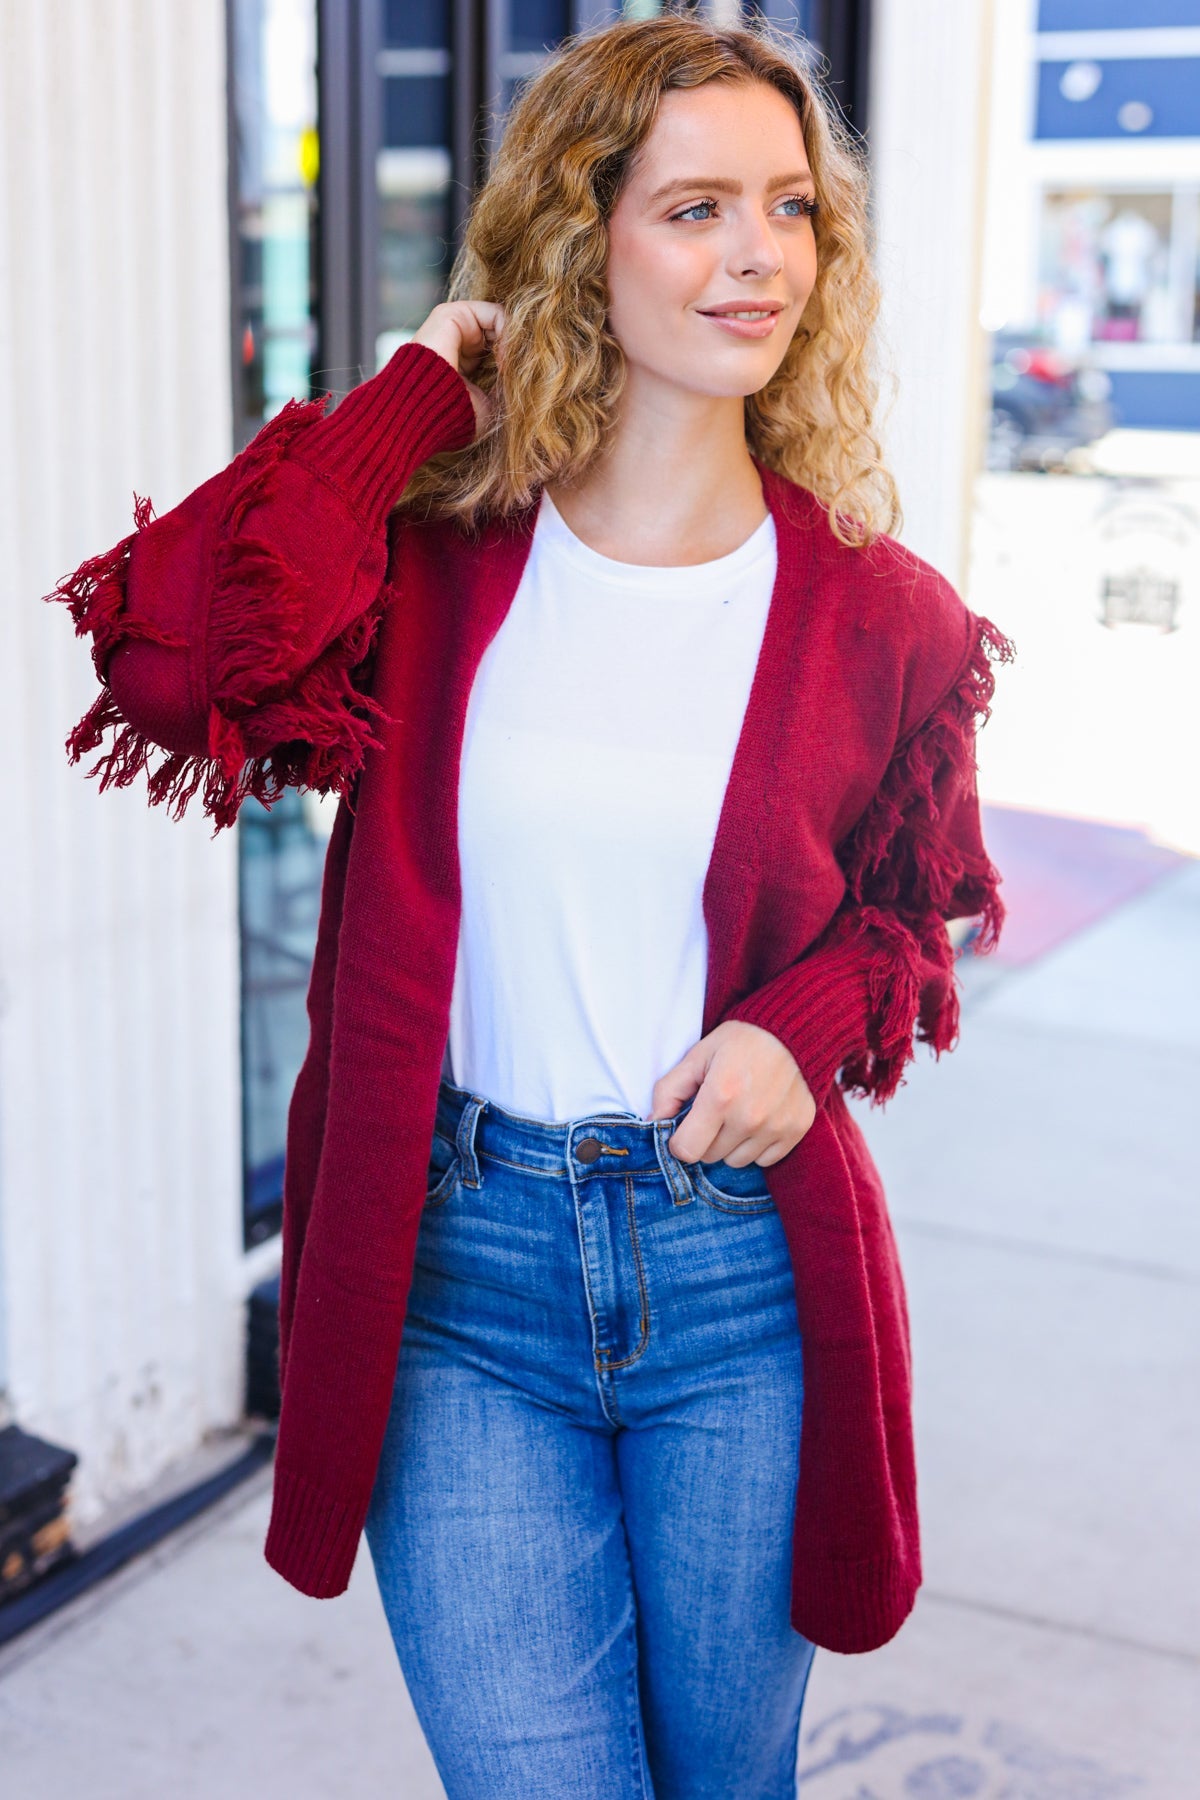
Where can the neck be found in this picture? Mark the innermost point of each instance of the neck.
(666, 490)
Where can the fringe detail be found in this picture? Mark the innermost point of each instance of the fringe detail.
(267, 728)
(910, 980)
(94, 594)
(905, 877)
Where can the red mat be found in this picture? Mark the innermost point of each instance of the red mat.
(1062, 874)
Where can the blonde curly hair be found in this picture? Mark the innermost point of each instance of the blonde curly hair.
(536, 242)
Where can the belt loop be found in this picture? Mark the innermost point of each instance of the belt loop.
(465, 1140)
(678, 1179)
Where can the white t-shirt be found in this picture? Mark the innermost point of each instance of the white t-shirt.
(599, 738)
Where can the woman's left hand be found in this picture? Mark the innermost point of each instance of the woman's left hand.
(752, 1103)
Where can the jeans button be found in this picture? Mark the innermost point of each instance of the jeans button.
(587, 1149)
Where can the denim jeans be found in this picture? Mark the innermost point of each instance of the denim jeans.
(581, 1523)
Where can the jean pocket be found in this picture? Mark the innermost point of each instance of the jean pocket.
(731, 1189)
(442, 1175)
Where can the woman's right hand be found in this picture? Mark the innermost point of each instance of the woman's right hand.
(463, 331)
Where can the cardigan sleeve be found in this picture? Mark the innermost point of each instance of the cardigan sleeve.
(884, 966)
(229, 631)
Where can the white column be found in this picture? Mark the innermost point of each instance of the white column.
(120, 1161)
(927, 133)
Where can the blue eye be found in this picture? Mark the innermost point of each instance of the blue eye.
(692, 209)
(808, 204)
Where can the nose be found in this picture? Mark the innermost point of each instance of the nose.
(757, 251)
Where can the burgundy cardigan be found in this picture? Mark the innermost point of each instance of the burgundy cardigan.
(281, 626)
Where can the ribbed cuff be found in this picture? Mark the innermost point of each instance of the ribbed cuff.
(818, 1008)
(854, 1607)
(386, 427)
(311, 1540)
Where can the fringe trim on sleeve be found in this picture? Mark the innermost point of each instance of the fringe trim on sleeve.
(268, 729)
(906, 876)
(94, 594)
(910, 979)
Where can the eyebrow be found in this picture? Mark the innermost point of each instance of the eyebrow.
(721, 184)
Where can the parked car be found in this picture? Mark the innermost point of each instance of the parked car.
(1044, 403)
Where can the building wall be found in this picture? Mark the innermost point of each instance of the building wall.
(120, 1210)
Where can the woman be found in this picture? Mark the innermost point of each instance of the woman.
(655, 756)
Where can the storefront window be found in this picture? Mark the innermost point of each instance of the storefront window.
(1107, 274)
(413, 168)
(281, 854)
(274, 157)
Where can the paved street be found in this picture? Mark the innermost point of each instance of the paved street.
(1043, 1182)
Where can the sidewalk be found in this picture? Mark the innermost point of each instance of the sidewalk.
(1043, 1184)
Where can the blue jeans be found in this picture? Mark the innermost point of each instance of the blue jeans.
(581, 1523)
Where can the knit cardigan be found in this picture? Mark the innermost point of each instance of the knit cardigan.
(282, 625)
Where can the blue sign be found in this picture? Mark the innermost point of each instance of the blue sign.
(1151, 97)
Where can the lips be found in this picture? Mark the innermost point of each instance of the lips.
(752, 329)
(721, 312)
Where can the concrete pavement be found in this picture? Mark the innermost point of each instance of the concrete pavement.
(1043, 1182)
